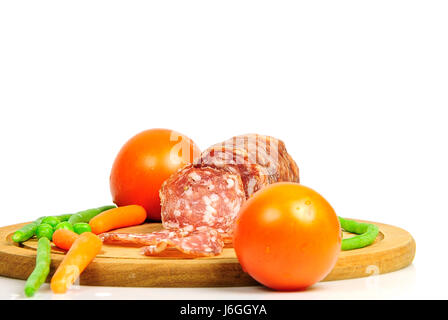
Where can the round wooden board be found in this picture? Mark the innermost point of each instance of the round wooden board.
(393, 249)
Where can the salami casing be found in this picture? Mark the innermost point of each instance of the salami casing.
(259, 160)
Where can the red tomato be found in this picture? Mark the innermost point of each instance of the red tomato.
(144, 162)
(287, 236)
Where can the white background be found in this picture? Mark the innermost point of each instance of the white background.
(358, 90)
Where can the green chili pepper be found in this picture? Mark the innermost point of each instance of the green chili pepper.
(81, 227)
(44, 230)
(51, 220)
(87, 215)
(366, 234)
(41, 269)
(64, 225)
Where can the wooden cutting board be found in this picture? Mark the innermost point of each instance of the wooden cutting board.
(124, 266)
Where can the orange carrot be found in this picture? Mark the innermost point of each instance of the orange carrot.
(118, 218)
(81, 253)
(64, 238)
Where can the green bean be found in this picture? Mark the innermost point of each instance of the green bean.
(39, 220)
(24, 233)
(44, 230)
(27, 231)
(64, 217)
(52, 221)
(64, 225)
(366, 234)
(41, 269)
(81, 227)
(87, 215)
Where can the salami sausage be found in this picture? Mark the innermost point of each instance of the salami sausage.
(211, 191)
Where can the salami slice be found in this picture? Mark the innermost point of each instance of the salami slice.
(141, 239)
(204, 242)
(197, 198)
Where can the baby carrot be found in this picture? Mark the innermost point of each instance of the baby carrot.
(81, 253)
(118, 218)
(64, 238)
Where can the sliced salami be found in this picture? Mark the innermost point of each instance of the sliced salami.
(205, 242)
(141, 239)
